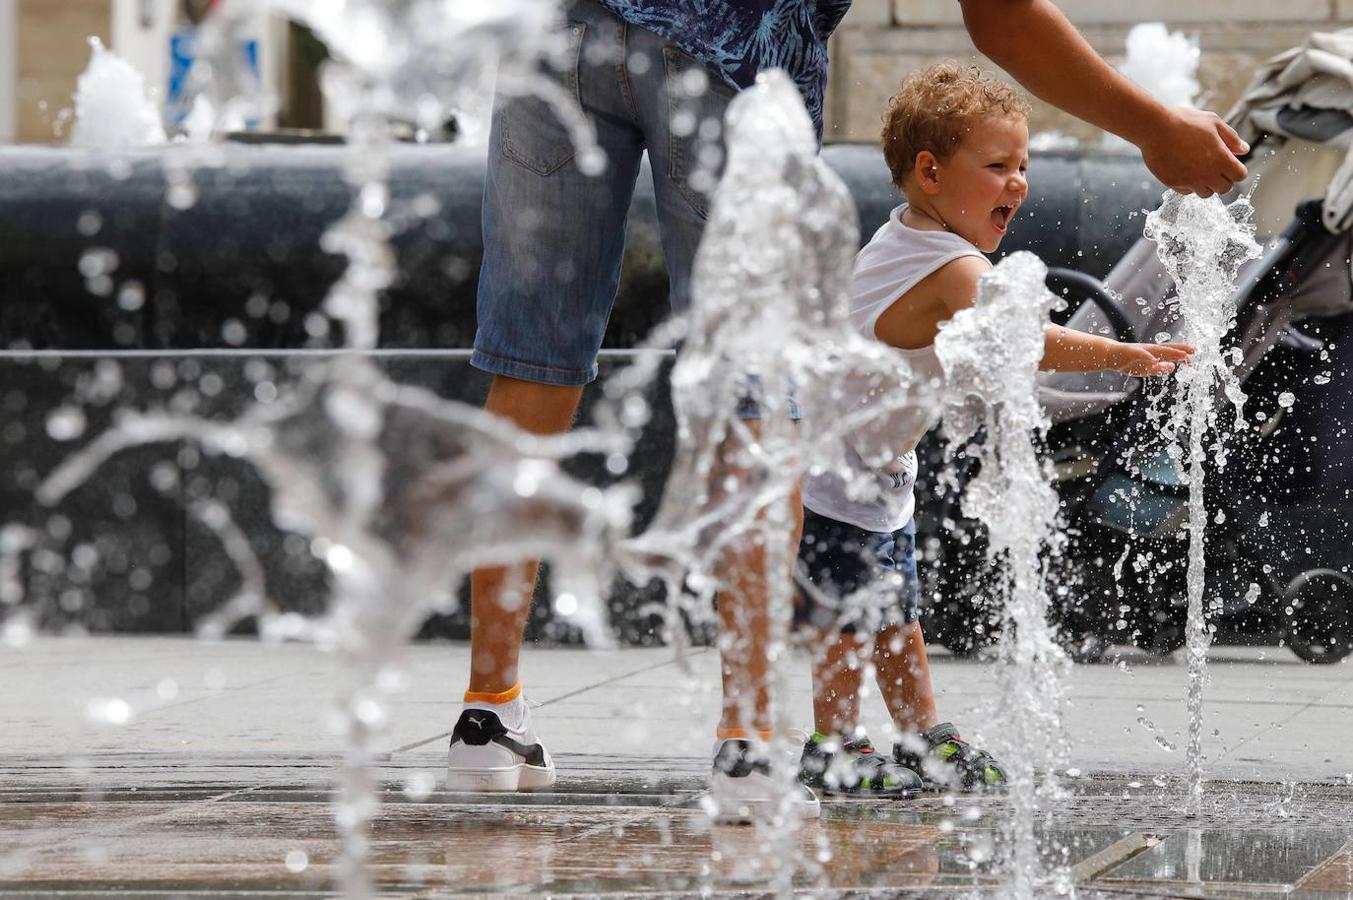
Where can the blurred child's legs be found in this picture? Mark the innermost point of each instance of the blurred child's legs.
(853, 585)
(859, 594)
(901, 671)
(838, 674)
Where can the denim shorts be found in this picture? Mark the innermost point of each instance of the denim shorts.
(554, 236)
(852, 580)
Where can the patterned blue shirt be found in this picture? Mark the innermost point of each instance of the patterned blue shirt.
(739, 38)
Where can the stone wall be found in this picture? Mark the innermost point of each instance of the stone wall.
(879, 42)
(882, 40)
(51, 55)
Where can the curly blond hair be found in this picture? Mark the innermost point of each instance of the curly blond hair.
(935, 106)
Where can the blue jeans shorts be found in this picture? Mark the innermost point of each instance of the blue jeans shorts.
(852, 580)
(554, 236)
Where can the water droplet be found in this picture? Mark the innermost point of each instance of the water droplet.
(297, 860)
(592, 162)
(132, 296)
(233, 332)
(109, 711)
(65, 423)
(265, 392)
(339, 558)
(1287, 399)
(98, 261)
(89, 223)
(419, 786)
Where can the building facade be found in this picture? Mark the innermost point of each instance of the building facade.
(43, 48)
(881, 40)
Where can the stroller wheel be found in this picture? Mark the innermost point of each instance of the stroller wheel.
(1320, 617)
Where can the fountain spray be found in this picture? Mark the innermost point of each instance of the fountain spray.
(991, 353)
(1202, 243)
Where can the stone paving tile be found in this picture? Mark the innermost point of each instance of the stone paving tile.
(244, 845)
(1273, 855)
(214, 838)
(1267, 716)
(1334, 875)
(206, 792)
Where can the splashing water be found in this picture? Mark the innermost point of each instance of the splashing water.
(1163, 62)
(990, 355)
(112, 108)
(387, 477)
(768, 318)
(384, 477)
(1202, 243)
(414, 61)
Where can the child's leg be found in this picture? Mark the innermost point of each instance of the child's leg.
(838, 674)
(835, 560)
(903, 673)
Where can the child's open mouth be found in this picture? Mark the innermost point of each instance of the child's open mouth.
(1000, 218)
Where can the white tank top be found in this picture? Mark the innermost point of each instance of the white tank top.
(876, 490)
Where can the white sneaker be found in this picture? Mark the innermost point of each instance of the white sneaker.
(742, 790)
(486, 755)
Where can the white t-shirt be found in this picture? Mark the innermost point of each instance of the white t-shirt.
(876, 490)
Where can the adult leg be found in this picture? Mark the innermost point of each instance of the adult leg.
(746, 631)
(501, 595)
(684, 124)
(553, 242)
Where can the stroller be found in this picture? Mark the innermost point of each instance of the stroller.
(1280, 543)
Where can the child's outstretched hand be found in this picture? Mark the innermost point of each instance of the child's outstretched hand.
(1146, 360)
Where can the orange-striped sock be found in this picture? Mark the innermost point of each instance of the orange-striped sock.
(509, 705)
(474, 698)
(743, 734)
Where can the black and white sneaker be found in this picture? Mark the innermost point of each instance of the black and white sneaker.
(741, 788)
(486, 755)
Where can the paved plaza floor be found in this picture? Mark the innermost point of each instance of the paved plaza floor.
(174, 767)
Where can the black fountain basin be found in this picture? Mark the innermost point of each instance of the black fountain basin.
(127, 300)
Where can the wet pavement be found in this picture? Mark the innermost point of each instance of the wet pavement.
(140, 767)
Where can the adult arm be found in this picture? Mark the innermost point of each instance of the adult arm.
(1190, 150)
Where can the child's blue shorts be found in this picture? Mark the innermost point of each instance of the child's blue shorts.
(853, 580)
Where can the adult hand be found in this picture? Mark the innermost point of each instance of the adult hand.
(1194, 152)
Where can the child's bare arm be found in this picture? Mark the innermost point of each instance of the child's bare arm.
(1068, 350)
(915, 318)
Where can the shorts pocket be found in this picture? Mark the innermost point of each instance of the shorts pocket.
(531, 134)
(696, 102)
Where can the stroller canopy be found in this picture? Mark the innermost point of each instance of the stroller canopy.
(1307, 93)
(1297, 114)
